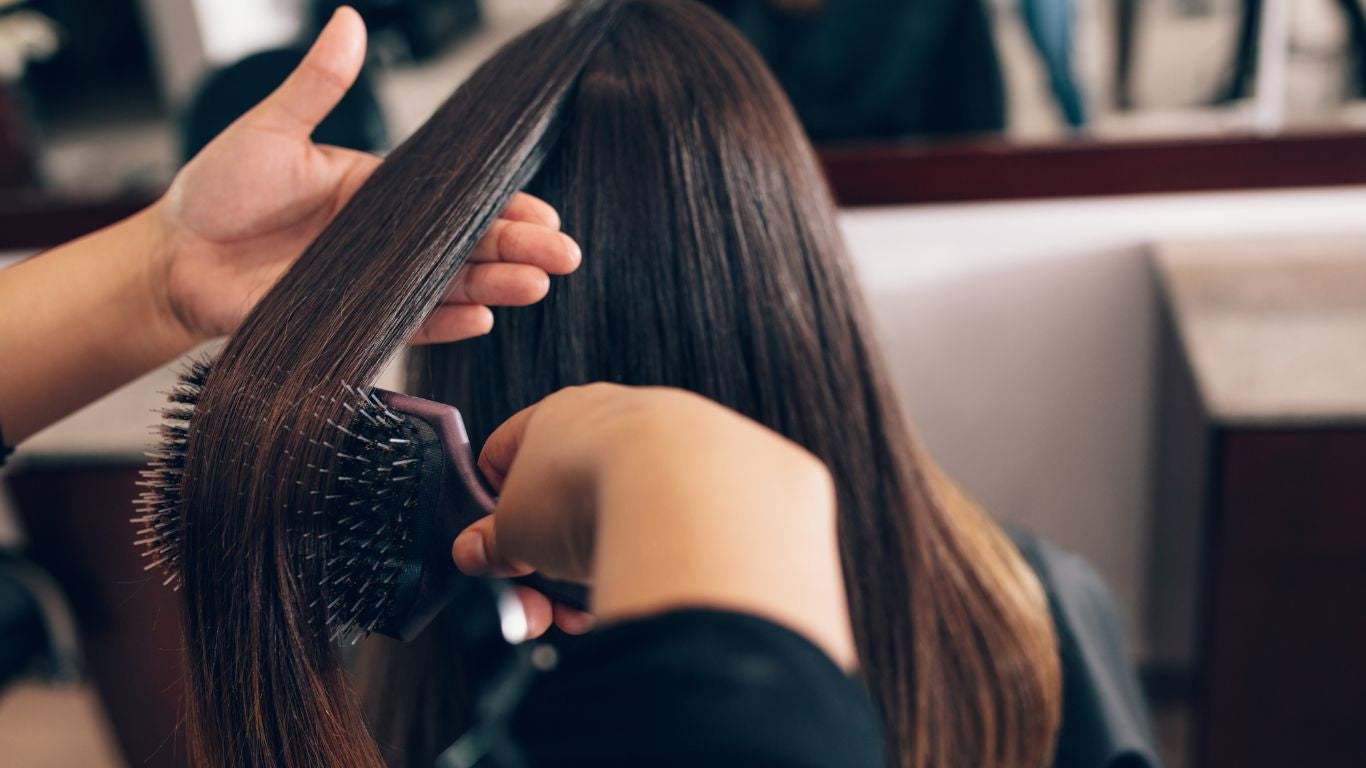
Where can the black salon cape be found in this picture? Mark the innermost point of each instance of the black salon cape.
(1104, 716)
(697, 688)
(711, 688)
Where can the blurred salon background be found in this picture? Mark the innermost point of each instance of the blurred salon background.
(1116, 250)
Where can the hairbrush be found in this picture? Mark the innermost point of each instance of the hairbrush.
(402, 485)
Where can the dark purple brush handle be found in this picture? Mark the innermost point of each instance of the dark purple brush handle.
(455, 442)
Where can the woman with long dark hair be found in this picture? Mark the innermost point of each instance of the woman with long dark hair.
(714, 264)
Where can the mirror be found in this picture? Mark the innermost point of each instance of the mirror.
(100, 97)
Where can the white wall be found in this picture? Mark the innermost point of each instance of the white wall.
(1021, 335)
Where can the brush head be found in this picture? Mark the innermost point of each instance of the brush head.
(387, 493)
(371, 508)
(159, 503)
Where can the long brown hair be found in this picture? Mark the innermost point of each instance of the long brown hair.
(713, 262)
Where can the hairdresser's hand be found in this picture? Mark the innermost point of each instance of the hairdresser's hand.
(556, 539)
(239, 214)
(661, 499)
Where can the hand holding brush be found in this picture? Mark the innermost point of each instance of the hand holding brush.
(661, 499)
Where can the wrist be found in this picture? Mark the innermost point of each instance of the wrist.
(93, 313)
(707, 508)
(167, 334)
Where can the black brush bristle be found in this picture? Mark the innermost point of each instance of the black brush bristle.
(159, 503)
(367, 490)
(368, 509)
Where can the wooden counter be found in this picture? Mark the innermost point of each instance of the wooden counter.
(1259, 548)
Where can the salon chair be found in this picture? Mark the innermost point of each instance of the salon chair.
(36, 632)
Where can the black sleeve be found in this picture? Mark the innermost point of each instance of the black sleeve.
(695, 688)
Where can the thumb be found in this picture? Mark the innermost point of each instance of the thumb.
(476, 552)
(500, 449)
(314, 87)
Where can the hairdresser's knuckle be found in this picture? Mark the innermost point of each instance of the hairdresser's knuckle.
(576, 391)
(515, 240)
(326, 77)
(528, 205)
(485, 464)
(597, 392)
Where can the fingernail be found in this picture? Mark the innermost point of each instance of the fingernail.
(537, 624)
(575, 252)
(470, 553)
(576, 623)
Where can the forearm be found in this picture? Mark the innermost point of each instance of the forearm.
(82, 319)
(753, 531)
